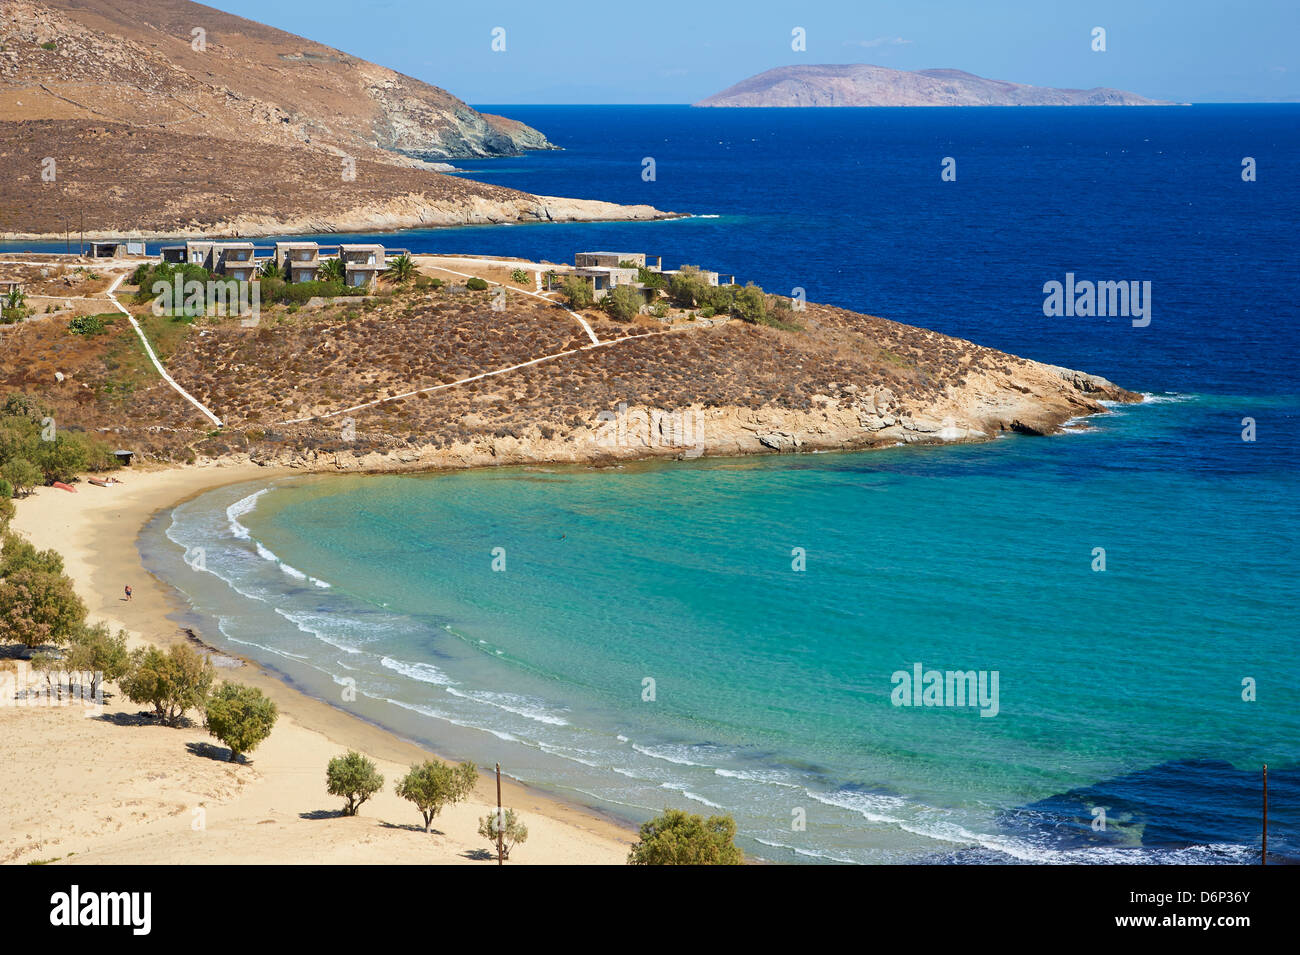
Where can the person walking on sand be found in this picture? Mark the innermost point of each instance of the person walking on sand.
(128, 591)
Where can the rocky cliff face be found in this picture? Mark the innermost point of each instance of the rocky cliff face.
(856, 84)
(172, 63)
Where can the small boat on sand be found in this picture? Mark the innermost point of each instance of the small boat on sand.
(64, 487)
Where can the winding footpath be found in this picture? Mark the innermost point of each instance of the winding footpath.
(154, 358)
(549, 301)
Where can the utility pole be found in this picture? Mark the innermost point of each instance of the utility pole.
(501, 822)
(1263, 855)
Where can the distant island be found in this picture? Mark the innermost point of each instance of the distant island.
(858, 84)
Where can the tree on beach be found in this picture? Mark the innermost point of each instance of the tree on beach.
(171, 682)
(38, 607)
(240, 716)
(432, 785)
(97, 651)
(18, 554)
(353, 777)
(682, 838)
(7, 509)
(512, 834)
(22, 474)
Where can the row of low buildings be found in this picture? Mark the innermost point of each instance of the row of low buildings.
(297, 261)
(606, 270)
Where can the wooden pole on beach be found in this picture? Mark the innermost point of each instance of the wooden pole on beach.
(1263, 855)
(501, 855)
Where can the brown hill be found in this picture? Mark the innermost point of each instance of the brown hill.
(254, 131)
(135, 63)
(439, 377)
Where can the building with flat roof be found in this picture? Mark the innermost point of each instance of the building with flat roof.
(298, 261)
(362, 263)
(116, 248)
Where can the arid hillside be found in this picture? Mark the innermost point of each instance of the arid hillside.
(420, 376)
(119, 179)
(196, 70)
(163, 118)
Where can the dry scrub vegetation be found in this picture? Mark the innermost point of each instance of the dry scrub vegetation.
(307, 362)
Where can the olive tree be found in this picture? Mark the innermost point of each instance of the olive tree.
(39, 607)
(171, 682)
(99, 653)
(240, 716)
(432, 785)
(353, 777)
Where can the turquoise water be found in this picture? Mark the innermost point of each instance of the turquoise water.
(1118, 688)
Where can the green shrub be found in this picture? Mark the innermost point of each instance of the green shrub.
(21, 475)
(87, 325)
(688, 287)
(63, 458)
(749, 304)
(513, 832)
(476, 284)
(650, 279)
(49, 45)
(518, 275)
(623, 302)
(6, 508)
(578, 292)
(681, 838)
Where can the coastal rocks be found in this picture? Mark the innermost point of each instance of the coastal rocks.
(780, 441)
(1084, 382)
(415, 211)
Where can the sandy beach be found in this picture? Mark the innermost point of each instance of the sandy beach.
(114, 789)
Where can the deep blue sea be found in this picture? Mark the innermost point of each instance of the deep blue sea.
(1148, 693)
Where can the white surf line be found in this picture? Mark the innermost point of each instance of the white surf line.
(550, 301)
(478, 377)
(154, 358)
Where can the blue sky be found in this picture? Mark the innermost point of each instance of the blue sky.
(679, 51)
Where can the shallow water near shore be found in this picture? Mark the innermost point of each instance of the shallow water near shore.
(1118, 689)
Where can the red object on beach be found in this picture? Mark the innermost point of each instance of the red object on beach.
(64, 487)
